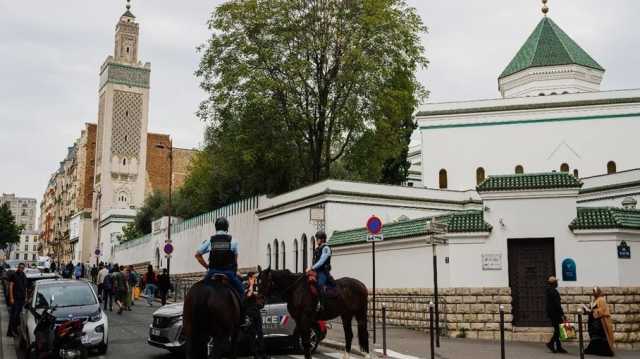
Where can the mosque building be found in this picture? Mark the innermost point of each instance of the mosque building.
(541, 182)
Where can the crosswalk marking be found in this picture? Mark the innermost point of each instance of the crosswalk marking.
(396, 355)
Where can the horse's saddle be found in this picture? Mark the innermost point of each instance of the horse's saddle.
(328, 291)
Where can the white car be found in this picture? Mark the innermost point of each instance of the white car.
(73, 299)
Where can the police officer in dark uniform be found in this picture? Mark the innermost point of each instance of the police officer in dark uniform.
(253, 305)
(223, 255)
(321, 265)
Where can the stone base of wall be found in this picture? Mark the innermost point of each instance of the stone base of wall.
(475, 312)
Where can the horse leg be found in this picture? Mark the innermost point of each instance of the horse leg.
(363, 333)
(234, 344)
(305, 335)
(348, 335)
(196, 346)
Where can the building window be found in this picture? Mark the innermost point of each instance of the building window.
(124, 161)
(519, 169)
(575, 173)
(564, 168)
(611, 167)
(296, 257)
(442, 179)
(479, 175)
(25, 256)
(268, 255)
(276, 258)
(305, 258)
(33, 258)
(284, 255)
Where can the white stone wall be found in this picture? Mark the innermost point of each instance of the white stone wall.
(462, 143)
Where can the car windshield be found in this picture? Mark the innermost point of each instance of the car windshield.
(64, 295)
(13, 263)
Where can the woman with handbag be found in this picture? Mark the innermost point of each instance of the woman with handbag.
(600, 326)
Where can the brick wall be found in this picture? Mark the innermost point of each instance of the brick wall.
(475, 312)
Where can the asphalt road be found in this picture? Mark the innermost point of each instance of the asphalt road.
(128, 337)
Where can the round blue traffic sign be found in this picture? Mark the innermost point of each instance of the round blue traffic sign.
(374, 225)
(168, 248)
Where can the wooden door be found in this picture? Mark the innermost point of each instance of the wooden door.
(531, 262)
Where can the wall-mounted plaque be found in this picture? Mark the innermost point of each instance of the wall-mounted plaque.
(624, 251)
(492, 261)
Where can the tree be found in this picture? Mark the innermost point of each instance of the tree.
(154, 207)
(130, 232)
(303, 90)
(9, 230)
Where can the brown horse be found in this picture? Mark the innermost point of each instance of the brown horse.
(211, 311)
(350, 302)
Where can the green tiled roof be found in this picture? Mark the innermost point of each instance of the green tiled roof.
(457, 222)
(529, 181)
(606, 218)
(548, 45)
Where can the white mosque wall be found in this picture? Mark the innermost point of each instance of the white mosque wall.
(539, 140)
(188, 235)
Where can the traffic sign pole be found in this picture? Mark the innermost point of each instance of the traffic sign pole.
(374, 227)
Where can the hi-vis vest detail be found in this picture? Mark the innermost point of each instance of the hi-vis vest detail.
(221, 255)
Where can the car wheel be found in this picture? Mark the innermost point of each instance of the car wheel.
(102, 348)
(314, 340)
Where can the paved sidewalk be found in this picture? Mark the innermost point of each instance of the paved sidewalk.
(410, 344)
(7, 346)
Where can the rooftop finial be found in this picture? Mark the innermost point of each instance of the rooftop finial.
(545, 8)
(129, 4)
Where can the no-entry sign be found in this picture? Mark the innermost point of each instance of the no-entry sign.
(374, 225)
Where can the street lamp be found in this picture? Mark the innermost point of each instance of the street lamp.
(168, 241)
(97, 252)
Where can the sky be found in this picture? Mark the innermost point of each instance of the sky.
(51, 52)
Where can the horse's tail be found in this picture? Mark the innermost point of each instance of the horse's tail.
(363, 332)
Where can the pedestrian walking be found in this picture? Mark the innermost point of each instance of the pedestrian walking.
(128, 276)
(555, 314)
(164, 285)
(16, 299)
(136, 286)
(601, 338)
(94, 274)
(77, 271)
(253, 304)
(120, 286)
(102, 272)
(150, 285)
(107, 291)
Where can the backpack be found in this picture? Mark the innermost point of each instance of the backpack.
(107, 283)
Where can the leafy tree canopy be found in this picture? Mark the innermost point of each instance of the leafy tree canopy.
(303, 90)
(9, 230)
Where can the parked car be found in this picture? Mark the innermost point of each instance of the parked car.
(278, 326)
(73, 299)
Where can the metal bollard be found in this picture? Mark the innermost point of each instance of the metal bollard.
(384, 330)
(580, 339)
(502, 354)
(433, 350)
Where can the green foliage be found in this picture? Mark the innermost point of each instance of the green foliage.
(130, 232)
(9, 230)
(154, 207)
(303, 90)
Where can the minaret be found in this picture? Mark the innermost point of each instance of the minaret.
(121, 142)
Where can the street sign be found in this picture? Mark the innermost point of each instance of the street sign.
(437, 227)
(168, 248)
(374, 225)
(97, 252)
(375, 238)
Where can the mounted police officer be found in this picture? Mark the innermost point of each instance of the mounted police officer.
(321, 265)
(223, 255)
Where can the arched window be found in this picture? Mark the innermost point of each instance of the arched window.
(268, 255)
(479, 175)
(305, 258)
(519, 169)
(296, 258)
(442, 179)
(575, 173)
(284, 255)
(124, 161)
(276, 258)
(564, 168)
(611, 167)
